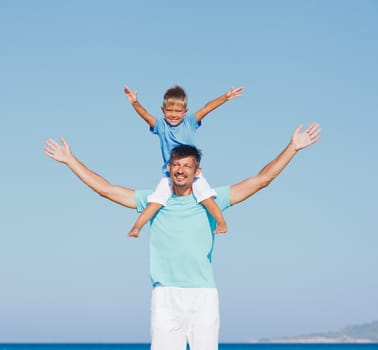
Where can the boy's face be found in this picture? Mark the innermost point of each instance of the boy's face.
(174, 113)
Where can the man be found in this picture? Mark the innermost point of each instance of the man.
(184, 304)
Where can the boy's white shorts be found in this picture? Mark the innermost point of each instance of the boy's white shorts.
(184, 315)
(163, 191)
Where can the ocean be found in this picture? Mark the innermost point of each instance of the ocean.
(227, 346)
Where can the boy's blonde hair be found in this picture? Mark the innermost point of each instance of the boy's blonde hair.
(175, 94)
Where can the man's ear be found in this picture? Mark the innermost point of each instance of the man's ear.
(198, 171)
(169, 167)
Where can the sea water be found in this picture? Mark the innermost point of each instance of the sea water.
(227, 346)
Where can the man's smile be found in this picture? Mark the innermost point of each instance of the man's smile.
(180, 176)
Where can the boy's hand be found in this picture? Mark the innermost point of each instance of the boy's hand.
(232, 93)
(131, 95)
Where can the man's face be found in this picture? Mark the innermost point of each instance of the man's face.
(174, 113)
(183, 171)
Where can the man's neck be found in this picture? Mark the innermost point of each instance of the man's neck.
(182, 191)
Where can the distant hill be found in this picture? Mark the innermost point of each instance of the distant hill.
(362, 333)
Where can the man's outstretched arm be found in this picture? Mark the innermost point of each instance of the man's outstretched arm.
(299, 140)
(62, 153)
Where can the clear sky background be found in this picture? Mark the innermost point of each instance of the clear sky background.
(300, 256)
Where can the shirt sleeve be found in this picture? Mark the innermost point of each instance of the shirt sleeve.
(155, 130)
(223, 197)
(191, 120)
(141, 199)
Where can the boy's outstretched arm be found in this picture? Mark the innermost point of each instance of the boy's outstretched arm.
(132, 96)
(210, 106)
(299, 140)
(62, 154)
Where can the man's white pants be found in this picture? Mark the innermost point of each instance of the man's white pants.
(184, 315)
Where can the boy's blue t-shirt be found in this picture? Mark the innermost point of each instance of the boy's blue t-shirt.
(182, 240)
(173, 136)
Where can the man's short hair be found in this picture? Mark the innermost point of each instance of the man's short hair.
(184, 151)
(175, 94)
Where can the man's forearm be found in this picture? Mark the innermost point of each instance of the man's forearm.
(274, 168)
(96, 182)
(245, 189)
(62, 154)
(299, 140)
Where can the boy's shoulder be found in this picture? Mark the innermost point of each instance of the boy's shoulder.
(189, 119)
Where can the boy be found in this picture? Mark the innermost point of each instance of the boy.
(176, 129)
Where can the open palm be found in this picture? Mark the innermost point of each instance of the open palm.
(303, 139)
(232, 93)
(131, 95)
(54, 150)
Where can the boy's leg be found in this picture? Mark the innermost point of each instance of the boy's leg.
(216, 213)
(146, 215)
(155, 201)
(205, 195)
(163, 191)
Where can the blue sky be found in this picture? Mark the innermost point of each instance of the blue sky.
(299, 257)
